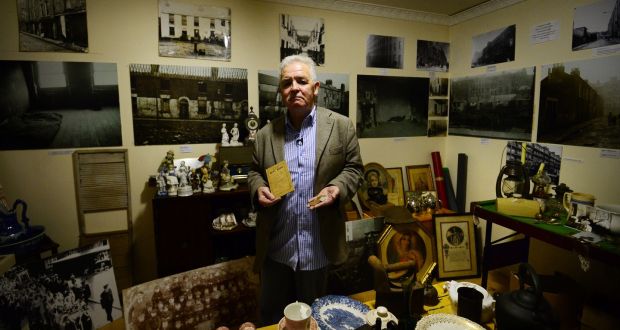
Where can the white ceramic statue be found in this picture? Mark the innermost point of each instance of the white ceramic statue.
(225, 137)
(234, 132)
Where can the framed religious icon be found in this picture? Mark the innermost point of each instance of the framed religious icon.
(407, 242)
(396, 196)
(420, 177)
(374, 190)
(455, 245)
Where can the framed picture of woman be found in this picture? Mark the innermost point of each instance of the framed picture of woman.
(420, 178)
(397, 195)
(374, 190)
(407, 242)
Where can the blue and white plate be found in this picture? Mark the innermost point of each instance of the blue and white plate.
(339, 312)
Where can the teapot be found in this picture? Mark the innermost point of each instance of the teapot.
(10, 229)
(525, 308)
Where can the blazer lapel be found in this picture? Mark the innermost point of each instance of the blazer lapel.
(277, 139)
(325, 124)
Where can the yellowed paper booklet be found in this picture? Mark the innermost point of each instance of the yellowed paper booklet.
(279, 178)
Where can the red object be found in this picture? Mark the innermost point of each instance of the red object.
(440, 184)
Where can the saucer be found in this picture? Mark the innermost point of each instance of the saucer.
(313, 324)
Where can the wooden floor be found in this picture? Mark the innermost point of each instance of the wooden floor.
(88, 128)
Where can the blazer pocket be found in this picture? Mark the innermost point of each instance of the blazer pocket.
(336, 150)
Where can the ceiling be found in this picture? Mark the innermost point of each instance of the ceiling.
(444, 12)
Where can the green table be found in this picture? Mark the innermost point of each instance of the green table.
(500, 252)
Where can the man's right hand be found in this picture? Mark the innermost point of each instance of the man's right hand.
(265, 197)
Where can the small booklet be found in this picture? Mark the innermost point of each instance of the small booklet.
(279, 178)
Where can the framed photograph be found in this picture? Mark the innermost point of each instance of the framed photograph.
(420, 177)
(396, 196)
(456, 246)
(407, 242)
(374, 189)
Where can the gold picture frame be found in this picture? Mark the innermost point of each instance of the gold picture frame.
(419, 247)
(375, 186)
(456, 246)
(420, 178)
(397, 195)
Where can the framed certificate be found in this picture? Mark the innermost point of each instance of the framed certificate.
(455, 246)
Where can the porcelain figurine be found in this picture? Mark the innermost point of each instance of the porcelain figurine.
(250, 221)
(167, 161)
(225, 136)
(173, 184)
(234, 132)
(183, 176)
(161, 184)
(226, 180)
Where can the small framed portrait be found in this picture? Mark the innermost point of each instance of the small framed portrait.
(420, 178)
(374, 189)
(456, 246)
(396, 196)
(404, 243)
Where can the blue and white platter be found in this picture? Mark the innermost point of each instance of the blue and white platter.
(339, 312)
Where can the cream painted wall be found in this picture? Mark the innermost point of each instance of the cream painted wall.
(582, 168)
(125, 32)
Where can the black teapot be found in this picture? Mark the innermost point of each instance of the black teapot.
(525, 308)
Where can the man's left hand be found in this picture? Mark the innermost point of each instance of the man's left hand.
(327, 196)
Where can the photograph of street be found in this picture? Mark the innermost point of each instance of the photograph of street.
(52, 26)
(302, 35)
(580, 103)
(596, 25)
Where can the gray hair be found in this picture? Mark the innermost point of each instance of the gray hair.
(299, 59)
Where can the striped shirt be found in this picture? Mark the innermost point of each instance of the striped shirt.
(296, 240)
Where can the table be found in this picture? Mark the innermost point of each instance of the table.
(444, 305)
(500, 253)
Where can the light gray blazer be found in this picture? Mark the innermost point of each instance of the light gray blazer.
(338, 162)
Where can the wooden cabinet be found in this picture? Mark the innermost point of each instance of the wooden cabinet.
(184, 237)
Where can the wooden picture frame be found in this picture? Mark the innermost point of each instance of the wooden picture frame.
(420, 178)
(420, 247)
(397, 195)
(456, 246)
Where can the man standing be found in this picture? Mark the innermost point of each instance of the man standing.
(296, 240)
(106, 300)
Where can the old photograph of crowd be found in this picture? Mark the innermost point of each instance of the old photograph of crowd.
(71, 290)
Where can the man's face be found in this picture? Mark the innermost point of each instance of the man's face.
(298, 89)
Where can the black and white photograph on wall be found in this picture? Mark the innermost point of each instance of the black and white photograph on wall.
(385, 52)
(438, 107)
(53, 105)
(535, 154)
(494, 105)
(437, 127)
(173, 104)
(191, 30)
(333, 94)
(580, 103)
(596, 25)
(52, 26)
(438, 86)
(302, 35)
(391, 106)
(497, 46)
(433, 56)
(75, 289)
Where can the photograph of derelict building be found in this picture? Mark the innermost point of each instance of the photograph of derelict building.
(333, 94)
(194, 31)
(174, 104)
(494, 47)
(596, 25)
(580, 103)
(52, 26)
(385, 52)
(494, 105)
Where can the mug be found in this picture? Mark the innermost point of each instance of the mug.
(577, 204)
(469, 303)
(297, 316)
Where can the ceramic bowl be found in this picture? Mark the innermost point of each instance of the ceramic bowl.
(488, 303)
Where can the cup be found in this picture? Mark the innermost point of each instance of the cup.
(578, 204)
(469, 303)
(297, 316)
